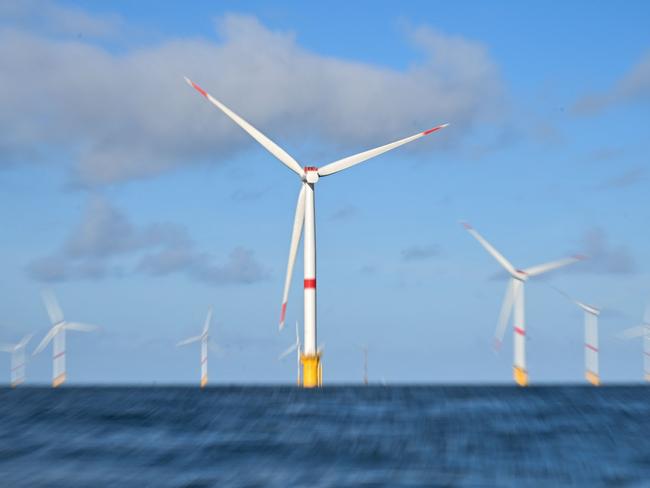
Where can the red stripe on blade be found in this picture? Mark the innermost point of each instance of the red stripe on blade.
(310, 283)
(283, 312)
(199, 89)
(58, 355)
(589, 346)
(520, 331)
(427, 132)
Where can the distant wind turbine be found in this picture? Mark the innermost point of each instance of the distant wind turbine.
(57, 332)
(305, 217)
(643, 331)
(364, 348)
(591, 339)
(514, 300)
(294, 347)
(205, 344)
(17, 352)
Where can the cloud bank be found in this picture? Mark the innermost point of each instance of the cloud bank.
(123, 114)
(105, 237)
(634, 86)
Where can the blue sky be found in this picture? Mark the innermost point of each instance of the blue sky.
(140, 205)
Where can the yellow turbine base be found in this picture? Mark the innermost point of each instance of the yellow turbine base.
(204, 381)
(58, 381)
(647, 377)
(16, 383)
(592, 378)
(521, 376)
(312, 371)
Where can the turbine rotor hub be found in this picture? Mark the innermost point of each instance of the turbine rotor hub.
(520, 275)
(311, 174)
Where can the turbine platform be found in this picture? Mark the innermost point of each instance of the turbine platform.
(312, 371)
(521, 376)
(592, 378)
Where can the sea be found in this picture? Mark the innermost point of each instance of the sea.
(337, 436)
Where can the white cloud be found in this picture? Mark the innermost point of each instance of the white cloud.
(634, 86)
(55, 19)
(127, 115)
(105, 234)
(604, 257)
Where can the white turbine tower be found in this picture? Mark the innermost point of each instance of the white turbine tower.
(17, 352)
(364, 348)
(592, 374)
(57, 332)
(294, 347)
(643, 331)
(514, 301)
(305, 217)
(205, 343)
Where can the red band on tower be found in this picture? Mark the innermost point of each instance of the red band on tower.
(310, 283)
(520, 331)
(589, 346)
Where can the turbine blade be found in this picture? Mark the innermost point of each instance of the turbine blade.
(288, 351)
(298, 222)
(79, 326)
(341, 164)
(544, 268)
(208, 319)
(646, 315)
(569, 297)
(268, 144)
(24, 341)
(52, 306)
(189, 341)
(506, 309)
(489, 248)
(46, 340)
(7, 348)
(297, 335)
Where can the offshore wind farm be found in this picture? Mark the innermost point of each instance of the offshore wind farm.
(140, 208)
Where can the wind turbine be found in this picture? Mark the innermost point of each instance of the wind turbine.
(591, 339)
(294, 347)
(205, 343)
(514, 300)
(57, 332)
(305, 217)
(365, 364)
(17, 352)
(642, 330)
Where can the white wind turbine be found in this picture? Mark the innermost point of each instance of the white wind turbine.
(643, 331)
(205, 343)
(57, 332)
(294, 347)
(364, 348)
(305, 216)
(514, 300)
(17, 352)
(592, 374)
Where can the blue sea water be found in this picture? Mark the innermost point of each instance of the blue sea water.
(411, 436)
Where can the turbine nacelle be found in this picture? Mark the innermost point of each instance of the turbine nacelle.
(520, 275)
(311, 174)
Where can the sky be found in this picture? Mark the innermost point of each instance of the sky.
(140, 205)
